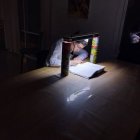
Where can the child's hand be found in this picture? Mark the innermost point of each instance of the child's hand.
(75, 61)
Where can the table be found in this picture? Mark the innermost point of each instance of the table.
(41, 105)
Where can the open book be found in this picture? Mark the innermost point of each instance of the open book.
(87, 69)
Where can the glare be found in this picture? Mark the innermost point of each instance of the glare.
(76, 94)
(89, 96)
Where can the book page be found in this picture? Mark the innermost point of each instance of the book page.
(86, 70)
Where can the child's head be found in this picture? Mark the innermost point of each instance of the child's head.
(76, 46)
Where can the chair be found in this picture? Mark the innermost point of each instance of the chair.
(32, 49)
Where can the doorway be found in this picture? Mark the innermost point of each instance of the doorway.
(130, 41)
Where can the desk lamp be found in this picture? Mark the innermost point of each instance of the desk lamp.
(66, 50)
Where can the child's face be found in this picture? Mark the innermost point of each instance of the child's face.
(76, 47)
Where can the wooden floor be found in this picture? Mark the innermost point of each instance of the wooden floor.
(31, 110)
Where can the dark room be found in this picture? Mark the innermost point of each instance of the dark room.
(69, 70)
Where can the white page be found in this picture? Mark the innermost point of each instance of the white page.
(86, 69)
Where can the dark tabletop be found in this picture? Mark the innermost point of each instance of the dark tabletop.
(41, 105)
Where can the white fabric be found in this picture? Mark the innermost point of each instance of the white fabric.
(56, 57)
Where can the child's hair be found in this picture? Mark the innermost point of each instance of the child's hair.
(85, 43)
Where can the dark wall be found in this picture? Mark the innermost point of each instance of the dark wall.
(11, 25)
(131, 51)
(105, 17)
(29, 15)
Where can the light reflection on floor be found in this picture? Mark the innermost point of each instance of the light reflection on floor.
(78, 94)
